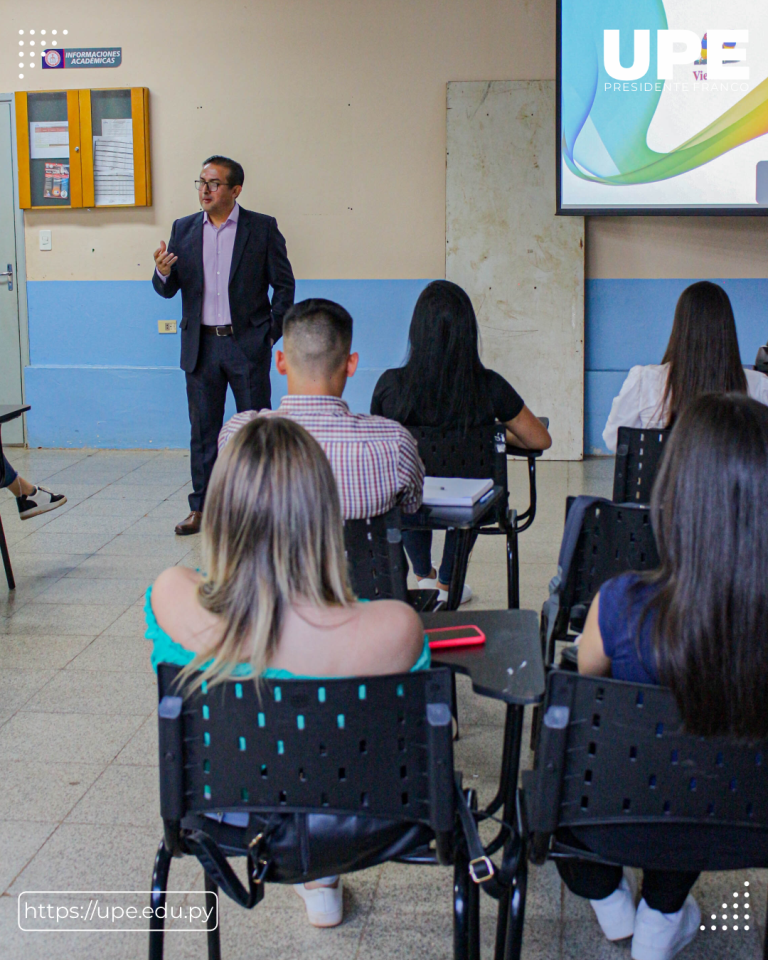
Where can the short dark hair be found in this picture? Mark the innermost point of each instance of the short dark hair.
(236, 175)
(318, 333)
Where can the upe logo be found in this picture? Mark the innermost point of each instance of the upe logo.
(52, 58)
(675, 47)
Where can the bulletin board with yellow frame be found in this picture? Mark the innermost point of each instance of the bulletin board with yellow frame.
(83, 148)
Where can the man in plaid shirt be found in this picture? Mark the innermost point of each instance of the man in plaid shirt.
(375, 461)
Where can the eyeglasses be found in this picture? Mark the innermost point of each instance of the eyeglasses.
(212, 185)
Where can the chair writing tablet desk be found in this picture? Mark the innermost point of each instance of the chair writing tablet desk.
(508, 667)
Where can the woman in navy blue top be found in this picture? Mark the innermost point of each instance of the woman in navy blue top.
(696, 625)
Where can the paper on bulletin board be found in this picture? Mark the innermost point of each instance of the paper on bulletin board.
(48, 139)
(117, 128)
(113, 171)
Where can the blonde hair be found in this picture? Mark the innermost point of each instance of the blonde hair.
(272, 535)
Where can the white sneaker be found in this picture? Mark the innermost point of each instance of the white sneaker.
(430, 583)
(324, 904)
(427, 583)
(466, 594)
(660, 936)
(41, 501)
(616, 913)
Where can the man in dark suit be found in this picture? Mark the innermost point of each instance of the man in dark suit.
(223, 260)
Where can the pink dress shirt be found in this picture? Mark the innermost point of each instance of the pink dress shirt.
(218, 244)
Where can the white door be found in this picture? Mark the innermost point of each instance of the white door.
(10, 346)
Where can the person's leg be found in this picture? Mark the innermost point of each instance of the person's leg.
(418, 546)
(667, 890)
(449, 556)
(206, 393)
(249, 380)
(30, 499)
(10, 477)
(610, 892)
(593, 881)
(668, 916)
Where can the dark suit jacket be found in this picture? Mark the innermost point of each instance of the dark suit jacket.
(259, 260)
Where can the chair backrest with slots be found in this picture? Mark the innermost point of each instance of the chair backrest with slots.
(375, 557)
(614, 538)
(638, 456)
(371, 746)
(476, 454)
(616, 754)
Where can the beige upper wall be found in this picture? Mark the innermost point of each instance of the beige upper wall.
(677, 247)
(336, 110)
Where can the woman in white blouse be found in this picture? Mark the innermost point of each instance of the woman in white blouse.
(702, 356)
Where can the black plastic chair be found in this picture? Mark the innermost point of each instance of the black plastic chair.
(292, 757)
(378, 569)
(613, 538)
(614, 763)
(481, 454)
(638, 456)
(3, 544)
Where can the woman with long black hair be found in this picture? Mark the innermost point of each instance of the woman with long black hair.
(702, 356)
(444, 383)
(696, 625)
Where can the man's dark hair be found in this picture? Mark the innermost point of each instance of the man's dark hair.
(236, 174)
(317, 334)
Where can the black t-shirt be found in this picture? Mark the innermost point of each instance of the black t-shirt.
(502, 402)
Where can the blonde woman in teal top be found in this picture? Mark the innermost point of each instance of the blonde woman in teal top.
(275, 600)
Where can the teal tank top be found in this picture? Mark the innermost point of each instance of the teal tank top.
(166, 650)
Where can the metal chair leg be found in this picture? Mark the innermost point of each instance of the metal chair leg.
(455, 704)
(6, 559)
(473, 904)
(513, 570)
(461, 562)
(516, 912)
(212, 922)
(462, 907)
(765, 939)
(157, 900)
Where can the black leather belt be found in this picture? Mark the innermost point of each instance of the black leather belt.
(223, 331)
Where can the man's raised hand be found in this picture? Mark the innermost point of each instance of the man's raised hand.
(164, 260)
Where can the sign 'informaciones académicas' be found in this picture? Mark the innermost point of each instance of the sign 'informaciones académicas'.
(58, 59)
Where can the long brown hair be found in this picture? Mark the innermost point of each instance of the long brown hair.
(272, 535)
(709, 510)
(703, 349)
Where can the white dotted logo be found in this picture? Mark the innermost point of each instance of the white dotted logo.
(53, 58)
(743, 913)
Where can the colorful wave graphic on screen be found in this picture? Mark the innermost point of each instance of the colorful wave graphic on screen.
(611, 127)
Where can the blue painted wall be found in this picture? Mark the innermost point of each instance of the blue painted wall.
(629, 321)
(101, 375)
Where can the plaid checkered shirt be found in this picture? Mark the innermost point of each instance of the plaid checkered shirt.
(375, 461)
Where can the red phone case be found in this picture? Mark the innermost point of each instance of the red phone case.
(468, 640)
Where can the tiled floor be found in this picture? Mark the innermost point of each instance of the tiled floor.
(78, 804)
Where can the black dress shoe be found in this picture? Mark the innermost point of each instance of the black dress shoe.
(190, 525)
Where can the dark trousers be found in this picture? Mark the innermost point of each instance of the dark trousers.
(418, 546)
(220, 362)
(663, 890)
(8, 475)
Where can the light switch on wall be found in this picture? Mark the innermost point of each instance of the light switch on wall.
(45, 239)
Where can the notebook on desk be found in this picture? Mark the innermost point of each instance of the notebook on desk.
(454, 491)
